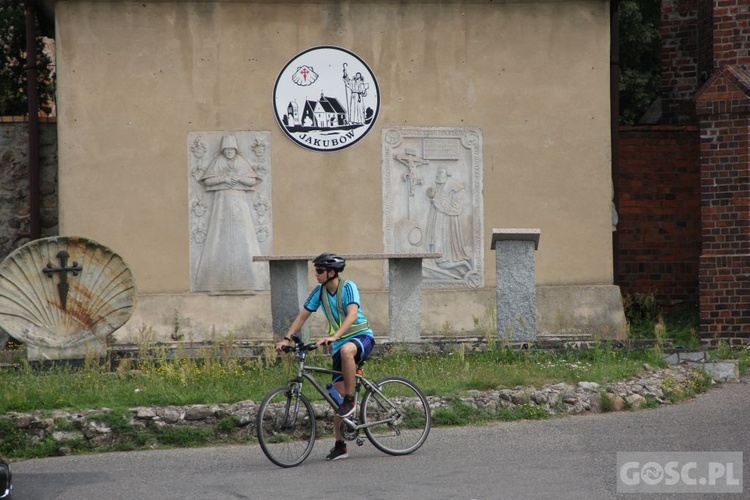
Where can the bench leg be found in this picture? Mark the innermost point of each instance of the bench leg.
(288, 293)
(405, 299)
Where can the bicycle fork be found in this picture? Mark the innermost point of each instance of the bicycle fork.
(291, 400)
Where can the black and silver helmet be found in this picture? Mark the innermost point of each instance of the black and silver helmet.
(330, 261)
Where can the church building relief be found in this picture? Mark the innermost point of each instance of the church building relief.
(432, 201)
(229, 211)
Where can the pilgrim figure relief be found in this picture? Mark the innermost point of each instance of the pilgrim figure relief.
(357, 88)
(225, 235)
(444, 234)
(432, 201)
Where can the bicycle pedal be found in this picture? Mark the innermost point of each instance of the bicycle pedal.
(360, 441)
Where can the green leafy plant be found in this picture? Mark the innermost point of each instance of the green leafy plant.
(458, 413)
(640, 57)
(13, 74)
(647, 320)
(227, 424)
(606, 402)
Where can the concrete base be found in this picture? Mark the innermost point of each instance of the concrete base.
(91, 348)
(198, 317)
(594, 310)
(586, 309)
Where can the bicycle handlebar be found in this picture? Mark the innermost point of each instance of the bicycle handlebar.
(300, 346)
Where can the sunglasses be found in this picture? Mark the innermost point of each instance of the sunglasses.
(319, 270)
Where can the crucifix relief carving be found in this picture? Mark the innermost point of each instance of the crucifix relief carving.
(64, 269)
(412, 162)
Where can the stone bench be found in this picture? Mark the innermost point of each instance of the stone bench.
(289, 290)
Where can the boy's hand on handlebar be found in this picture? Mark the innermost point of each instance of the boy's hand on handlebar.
(324, 341)
(280, 345)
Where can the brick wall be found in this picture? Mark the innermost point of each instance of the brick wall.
(679, 60)
(659, 212)
(731, 32)
(726, 187)
(706, 50)
(725, 258)
(725, 296)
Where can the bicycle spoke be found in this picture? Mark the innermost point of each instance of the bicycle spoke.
(397, 416)
(286, 427)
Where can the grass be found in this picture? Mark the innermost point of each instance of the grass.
(505, 368)
(680, 326)
(218, 375)
(223, 378)
(648, 320)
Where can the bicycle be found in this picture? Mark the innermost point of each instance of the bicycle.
(394, 414)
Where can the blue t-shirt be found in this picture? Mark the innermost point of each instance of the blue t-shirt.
(349, 295)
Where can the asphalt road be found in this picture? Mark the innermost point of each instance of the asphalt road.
(571, 457)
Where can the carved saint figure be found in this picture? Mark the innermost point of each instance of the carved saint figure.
(226, 262)
(443, 220)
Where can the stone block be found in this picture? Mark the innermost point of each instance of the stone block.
(720, 371)
(516, 283)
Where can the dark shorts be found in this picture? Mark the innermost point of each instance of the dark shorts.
(364, 343)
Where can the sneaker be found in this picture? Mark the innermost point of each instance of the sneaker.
(338, 451)
(347, 407)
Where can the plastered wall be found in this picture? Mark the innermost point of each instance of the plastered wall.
(135, 78)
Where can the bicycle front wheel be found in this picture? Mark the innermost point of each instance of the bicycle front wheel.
(286, 427)
(399, 415)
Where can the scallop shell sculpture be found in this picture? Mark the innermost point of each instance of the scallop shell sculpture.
(44, 307)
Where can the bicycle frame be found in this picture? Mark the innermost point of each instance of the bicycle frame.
(305, 372)
(286, 431)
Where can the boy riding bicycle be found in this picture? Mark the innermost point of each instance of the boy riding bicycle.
(349, 333)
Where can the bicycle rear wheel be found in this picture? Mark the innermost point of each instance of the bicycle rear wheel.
(402, 413)
(286, 427)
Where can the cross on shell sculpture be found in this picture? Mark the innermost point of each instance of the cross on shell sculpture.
(63, 296)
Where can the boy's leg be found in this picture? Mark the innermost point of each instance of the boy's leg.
(340, 363)
(348, 353)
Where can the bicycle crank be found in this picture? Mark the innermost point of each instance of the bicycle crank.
(349, 430)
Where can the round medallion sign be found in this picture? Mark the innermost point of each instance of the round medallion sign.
(326, 99)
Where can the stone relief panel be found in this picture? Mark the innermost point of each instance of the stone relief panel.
(432, 201)
(229, 210)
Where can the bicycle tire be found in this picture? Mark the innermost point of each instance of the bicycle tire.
(410, 430)
(286, 441)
